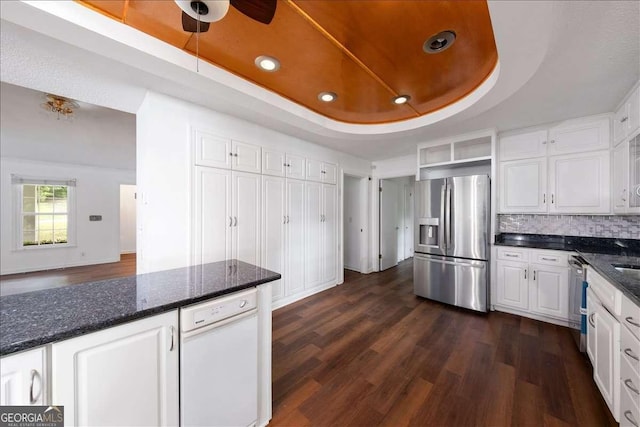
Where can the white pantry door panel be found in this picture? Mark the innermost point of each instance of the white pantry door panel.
(579, 183)
(314, 170)
(549, 291)
(329, 233)
(523, 186)
(273, 230)
(523, 146)
(126, 375)
(579, 136)
(213, 217)
(23, 378)
(296, 166)
(247, 157)
(273, 163)
(513, 284)
(313, 238)
(212, 150)
(295, 229)
(620, 176)
(246, 217)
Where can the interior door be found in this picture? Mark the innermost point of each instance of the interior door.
(246, 217)
(388, 224)
(273, 230)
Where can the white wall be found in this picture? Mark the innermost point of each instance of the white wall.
(97, 192)
(163, 172)
(127, 219)
(352, 225)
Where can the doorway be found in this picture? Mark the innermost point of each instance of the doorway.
(396, 220)
(127, 219)
(355, 204)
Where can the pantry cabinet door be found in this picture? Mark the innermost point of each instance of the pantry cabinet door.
(296, 237)
(273, 230)
(212, 216)
(246, 217)
(212, 150)
(273, 163)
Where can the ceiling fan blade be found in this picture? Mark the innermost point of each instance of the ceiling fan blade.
(259, 10)
(191, 25)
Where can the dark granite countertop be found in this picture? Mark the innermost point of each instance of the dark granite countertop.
(599, 253)
(35, 318)
(604, 264)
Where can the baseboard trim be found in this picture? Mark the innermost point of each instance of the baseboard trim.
(59, 267)
(547, 319)
(302, 295)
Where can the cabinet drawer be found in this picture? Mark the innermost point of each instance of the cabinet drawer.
(610, 297)
(560, 259)
(629, 412)
(513, 254)
(629, 385)
(630, 349)
(631, 316)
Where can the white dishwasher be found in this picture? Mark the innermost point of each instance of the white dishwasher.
(219, 362)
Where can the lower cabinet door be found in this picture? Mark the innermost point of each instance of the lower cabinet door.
(592, 303)
(606, 369)
(125, 375)
(513, 284)
(23, 378)
(549, 291)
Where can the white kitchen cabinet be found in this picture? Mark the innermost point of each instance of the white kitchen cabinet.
(627, 119)
(329, 233)
(580, 135)
(606, 347)
(313, 247)
(523, 146)
(296, 236)
(24, 378)
(322, 171)
(213, 219)
(580, 183)
(273, 162)
(220, 152)
(227, 216)
(124, 375)
(523, 186)
(513, 284)
(274, 219)
(592, 302)
(549, 291)
(296, 166)
(246, 198)
(620, 177)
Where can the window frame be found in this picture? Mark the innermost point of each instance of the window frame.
(18, 191)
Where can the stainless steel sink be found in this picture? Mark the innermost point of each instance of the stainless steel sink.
(631, 271)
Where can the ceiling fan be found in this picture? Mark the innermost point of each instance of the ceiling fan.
(197, 14)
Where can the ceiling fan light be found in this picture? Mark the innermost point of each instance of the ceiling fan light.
(267, 63)
(204, 10)
(401, 99)
(327, 96)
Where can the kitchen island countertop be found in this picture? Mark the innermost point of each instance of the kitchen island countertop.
(36, 318)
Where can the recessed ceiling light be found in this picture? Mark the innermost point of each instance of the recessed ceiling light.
(327, 96)
(401, 99)
(267, 63)
(439, 42)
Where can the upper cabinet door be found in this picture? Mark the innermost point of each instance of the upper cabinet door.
(247, 157)
(296, 166)
(620, 123)
(579, 183)
(314, 170)
(579, 136)
(329, 173)
(523, 186)
(212, 150)
(273, 163)
(620, 176)
(634, 112)
(523, 146)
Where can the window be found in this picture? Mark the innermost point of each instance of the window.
(44, 212)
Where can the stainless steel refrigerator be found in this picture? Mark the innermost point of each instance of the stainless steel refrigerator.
(451, 259)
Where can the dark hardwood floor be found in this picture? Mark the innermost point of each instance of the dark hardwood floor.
(370, 353)
(47, 279)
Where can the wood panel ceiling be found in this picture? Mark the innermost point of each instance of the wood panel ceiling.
(366, 51)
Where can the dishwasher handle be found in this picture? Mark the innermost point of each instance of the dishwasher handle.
(221, 323)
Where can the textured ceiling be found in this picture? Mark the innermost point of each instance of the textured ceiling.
(367, 52)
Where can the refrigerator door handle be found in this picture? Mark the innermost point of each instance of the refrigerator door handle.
(442, 261)
(443, 221)
(448, 217)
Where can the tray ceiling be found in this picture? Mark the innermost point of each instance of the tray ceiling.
(367, 52)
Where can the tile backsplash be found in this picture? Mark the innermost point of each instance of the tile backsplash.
(624, 227)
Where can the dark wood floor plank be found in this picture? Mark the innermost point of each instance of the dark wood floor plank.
(370, 353)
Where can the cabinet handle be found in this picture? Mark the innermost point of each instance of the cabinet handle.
(553, 141)
(630, 386)
(552, 199)
(525, 274)
(534, 275)
(287, 219)
(235, 154)
(284, 219)
(511, 255)
(591, 321)
(544, 142)
(630, 320)
(231, 154)
(624, 119)
(544, 197)
(629, 353)
(549, 259)
(171, 331)
(629, 416)
(230, 221)
(34, 398)
(235, 221)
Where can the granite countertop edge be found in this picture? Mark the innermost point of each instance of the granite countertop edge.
(122, 318)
